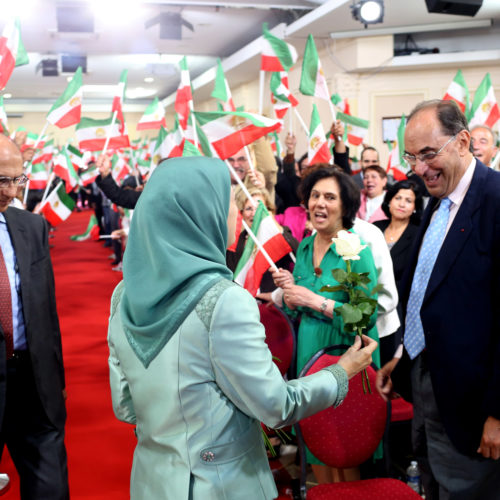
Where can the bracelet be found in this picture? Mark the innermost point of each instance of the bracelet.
(322, 308)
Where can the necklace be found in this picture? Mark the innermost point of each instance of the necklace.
(392, 235)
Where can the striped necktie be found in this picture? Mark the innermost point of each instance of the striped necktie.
(414, 339)
(6, 307)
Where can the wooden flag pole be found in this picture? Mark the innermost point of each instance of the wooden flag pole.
(29, 165)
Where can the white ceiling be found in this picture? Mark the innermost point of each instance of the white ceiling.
(221, 29)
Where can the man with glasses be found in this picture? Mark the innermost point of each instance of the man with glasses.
(32, 408)
(484, 144)
(452, 322)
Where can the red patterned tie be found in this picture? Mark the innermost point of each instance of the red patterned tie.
(6, 307)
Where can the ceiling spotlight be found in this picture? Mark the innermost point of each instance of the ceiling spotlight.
(149, 79)
(368, 11)
(7, 96)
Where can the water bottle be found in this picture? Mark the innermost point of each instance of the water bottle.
(413, 477)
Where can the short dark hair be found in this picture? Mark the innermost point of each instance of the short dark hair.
(376, 168)
(349, 191)
(449, 115)
(394, 190)
(368, 148)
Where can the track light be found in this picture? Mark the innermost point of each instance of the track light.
(368, 11)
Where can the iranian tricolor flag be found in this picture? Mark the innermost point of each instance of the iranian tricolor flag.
(91, 135)
(203, 143)
(277, 55)
(76, 157)
(38, 176)
(190, 149)
(63, 168)
(318, 150)
(221, 89)
(118, 100)
(88, 176)
(312, 79)
(31, 140)
(231, 131)
(3, 118)
(356, 128)
(397, 163)
(58, 206)
(252, 264)
(184, 96)
(458, 92)
(67, 110)
(92, 231)
(341, 104)
(168, 144)
(119, 168)
(281, 97)
(154, 117)
(276, 146)
(46, 153)
(12, 51)
(484, 109)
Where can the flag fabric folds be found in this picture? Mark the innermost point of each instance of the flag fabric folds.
(184, 96)
(91, 135)
(282, 98)
(12, 51)
(119, 98)
(221, 89)
(341, 104)
(231, 131)
(154, 117)
(3, 118)
(397, 163)
(458, 92)
(356, 128)
(318, 150)
(484, 109)
(312, 78)
(92, 231)
(89, 175)
(277, 55)
(63, 168)
(168, 144)
(252, 264)
(58, 206)
(38, 176)
(67, 110)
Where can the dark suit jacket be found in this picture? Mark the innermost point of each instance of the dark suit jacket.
(461, 314)
(28, 233)
(401, 251)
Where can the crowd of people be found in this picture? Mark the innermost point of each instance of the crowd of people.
(435, 333)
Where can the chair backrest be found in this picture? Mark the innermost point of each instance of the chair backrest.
(348, 435)
(279, 335)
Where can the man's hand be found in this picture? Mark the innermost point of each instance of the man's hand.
(490, 440)
(257, 178)
(104, 165)
(383, 382)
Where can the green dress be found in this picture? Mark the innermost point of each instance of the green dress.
(317, 330)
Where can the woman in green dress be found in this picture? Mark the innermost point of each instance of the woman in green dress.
(332, 200)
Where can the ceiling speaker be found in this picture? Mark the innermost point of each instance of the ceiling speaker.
(458, 7)
(49, 67)
(74, 18)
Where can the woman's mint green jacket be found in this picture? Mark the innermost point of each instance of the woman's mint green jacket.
(198, 405)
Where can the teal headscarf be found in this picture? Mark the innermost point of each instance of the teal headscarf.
(176, 249)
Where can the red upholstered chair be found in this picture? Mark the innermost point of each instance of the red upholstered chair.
(280, 336)
(345, 437)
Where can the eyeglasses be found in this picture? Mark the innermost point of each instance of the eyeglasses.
(7, 182)
(426, 157)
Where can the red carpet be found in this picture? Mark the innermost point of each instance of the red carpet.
(100, 448)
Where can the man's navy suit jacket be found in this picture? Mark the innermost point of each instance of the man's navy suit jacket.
(461, 313)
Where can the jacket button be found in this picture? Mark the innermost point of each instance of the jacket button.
(208, 456)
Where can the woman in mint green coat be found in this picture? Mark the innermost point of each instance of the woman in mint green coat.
(188, 363)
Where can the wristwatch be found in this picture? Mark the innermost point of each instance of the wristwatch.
(323, 306)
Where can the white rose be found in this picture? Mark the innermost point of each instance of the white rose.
(348, 245)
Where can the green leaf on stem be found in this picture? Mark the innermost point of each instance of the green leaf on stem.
(337, 288)
(340, 275)
(350, 313)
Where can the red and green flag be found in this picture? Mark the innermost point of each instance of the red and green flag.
(281, 96)
(277, 55)
(341, 104)
(3, 118)
(58, 206)
(252, 264)
(118, 100)
(119, 168)
(91, 135)
(484, 109)
(67, 110)
(458, 92)
(228, 132)
(38, 176)
(397, 164)
(221, 89)
(190, 149)
(184, 96)
(356, 128)
(63, 168)
(45, 154)
(88, 176)
(318, 150)
(92, 231)
(154, 117)
(169, 144)
(12, 51)
(312, 78)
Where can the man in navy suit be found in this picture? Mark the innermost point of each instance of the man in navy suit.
(32, 388)
(452, 314)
